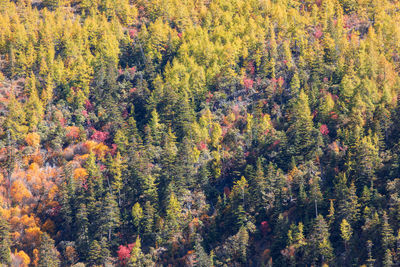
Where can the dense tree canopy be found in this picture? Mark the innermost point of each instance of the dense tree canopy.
(200, 133)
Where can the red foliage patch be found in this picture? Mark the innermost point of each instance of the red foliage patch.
(250, 67)
(132, 70)
(324, 130)
(99, 136)
(209, 96)
(62, 121)
(124, 253)
(113, 149)
(248, 83)
(318, 33)
(202, 146)
(55, 210)
(132, 33)
(88, 105)
(73, 132)
(265, 227)
(280, 81)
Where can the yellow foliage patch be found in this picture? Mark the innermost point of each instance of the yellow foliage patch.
(32, 139)
(19, 191)
(24, 257)
(80, 173)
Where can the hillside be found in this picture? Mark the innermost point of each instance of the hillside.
(200, 133)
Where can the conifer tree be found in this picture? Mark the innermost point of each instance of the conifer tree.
(148, 217)
(111, 216)
(34, 107)
(202, 259)
(301, 129)
(15, 122)
(137, 215)
(320, 249)
(95, 257)
(349, 208)
(5, 253)
(48, 254)
(173, 212)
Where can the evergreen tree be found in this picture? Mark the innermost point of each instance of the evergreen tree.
(95, 257)
(301, 130)
(349, 208)
(320, 249)
(15, 122)
(137, 215)
(5, 242)
(48, 254)
(173, 218)
(111, 216)
(202, 259)
(386, 233)
(34, 107)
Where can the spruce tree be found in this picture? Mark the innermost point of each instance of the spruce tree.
(5, 242)
(48, 254)
(301, 129)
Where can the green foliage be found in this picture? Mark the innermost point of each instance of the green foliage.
(48, 254)
(5, 243)
(211, 132)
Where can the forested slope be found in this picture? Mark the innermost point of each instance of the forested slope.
(200, 133)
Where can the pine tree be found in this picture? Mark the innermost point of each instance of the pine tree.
(349, 208)
(82, 230)
(95, 257)
(156, 128)
(5, 242)
(136, 253)
(320, 249)
(149, 189)
(148, 217)
(116, 167)
(48, 254)
(202, 259)
(345, 233)
(331, 215)
(111, 216)
(370, 260)
(137, 215)
(367, 160)
(301, 129)
(173, 212)
(243, 240)
(15, 122)
(257, 187)
(386, 233)
(34, 107)
(388, 259)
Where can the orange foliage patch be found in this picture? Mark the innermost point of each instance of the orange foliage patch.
(25, 258)
(19, 191)
(49, 226)
(32, 235)
(73, 132)
(32, 139)
(80, 173)
(99, 149)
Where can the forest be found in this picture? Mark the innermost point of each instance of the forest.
(209, 133)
